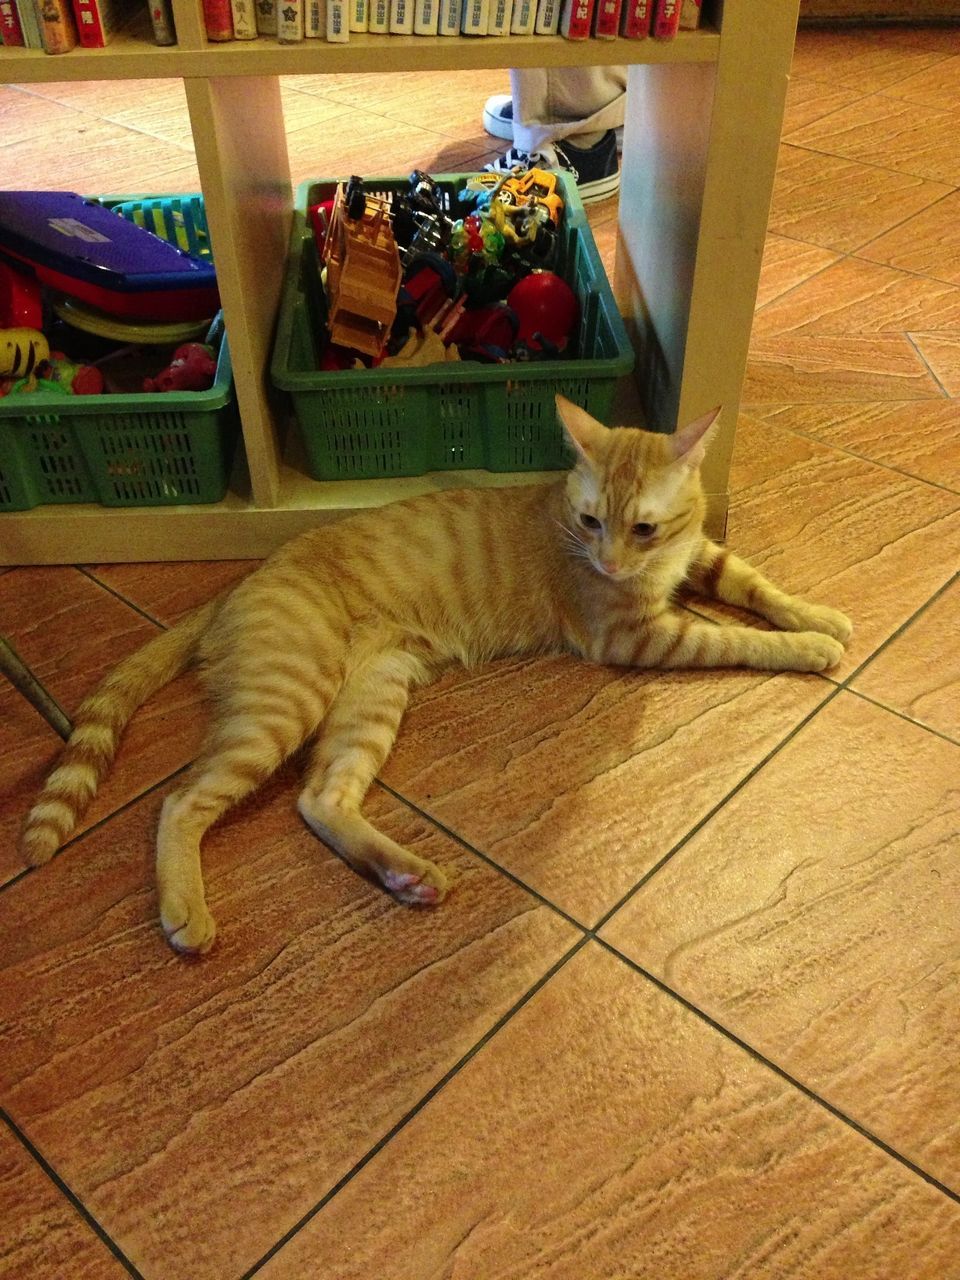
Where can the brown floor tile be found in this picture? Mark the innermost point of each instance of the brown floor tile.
(306, 110)
(923, 141)
(870, 59)
(200, 1109)
(27, 746)
(167, 591)
(579, 778)
(919, 673)
(809, 100)
(814, 368)
(928, 243)
(421, 99)
(43, 1234)
(27, 117)
(400, 148)
(95, 158)
(919, 437)
(934, 86)
(70, 632)
(942, 353)
(856, 297)
(839, 204)
(854, 821)
(607, 1132)
(787, 263)
(840, 531)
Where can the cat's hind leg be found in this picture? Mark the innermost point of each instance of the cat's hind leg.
(257, 727)
(720, 575)
(356, 738)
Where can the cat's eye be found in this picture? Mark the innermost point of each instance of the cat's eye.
(644, 530)
(589, 522)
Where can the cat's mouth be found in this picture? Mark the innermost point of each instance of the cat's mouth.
(617, 574)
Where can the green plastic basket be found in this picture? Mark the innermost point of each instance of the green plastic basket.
(363, 424)
(139, 450)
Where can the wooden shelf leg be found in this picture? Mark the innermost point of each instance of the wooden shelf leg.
(699, 160)
(240, 139)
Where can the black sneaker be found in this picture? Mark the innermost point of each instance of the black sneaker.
(594, 169)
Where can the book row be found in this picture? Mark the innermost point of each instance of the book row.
(57, 26)
(60, 25)
(294, 20)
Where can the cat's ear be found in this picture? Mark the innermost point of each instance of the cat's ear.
(586, 434)
(689, 443)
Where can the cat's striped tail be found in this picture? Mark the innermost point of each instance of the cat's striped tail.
(97, 728)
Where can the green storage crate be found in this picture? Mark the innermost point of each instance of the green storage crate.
(139, 450)
(363, 424)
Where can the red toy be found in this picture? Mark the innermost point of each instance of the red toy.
(193, 368)
(547, 310)
(78, 379)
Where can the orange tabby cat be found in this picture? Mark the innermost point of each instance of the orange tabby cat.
(327, 638)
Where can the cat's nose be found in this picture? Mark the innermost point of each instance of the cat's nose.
(609, 566)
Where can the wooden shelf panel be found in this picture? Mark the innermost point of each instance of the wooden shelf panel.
(132, 57)
(234, 529)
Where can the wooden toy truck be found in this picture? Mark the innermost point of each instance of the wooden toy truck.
(363, 270)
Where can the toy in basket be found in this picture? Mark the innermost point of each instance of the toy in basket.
(363, 270)
(81, 248)
(406, 420)
(81, 428)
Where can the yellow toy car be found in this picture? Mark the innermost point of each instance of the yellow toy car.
(537, 185)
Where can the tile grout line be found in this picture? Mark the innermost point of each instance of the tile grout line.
(852, 453)
(781, 1072)
(71, 1196)
(908, 334)
(722, 803)
(485, 857)
(111, 590)
(95, 826)
(833, 155)
(895, 635)
(417, 1107)
(902, 715)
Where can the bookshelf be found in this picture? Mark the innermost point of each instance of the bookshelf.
(704, 114)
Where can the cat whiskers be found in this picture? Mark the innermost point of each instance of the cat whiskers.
(573, 543)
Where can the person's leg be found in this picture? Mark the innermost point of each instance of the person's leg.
(551, 104)
(565, 118)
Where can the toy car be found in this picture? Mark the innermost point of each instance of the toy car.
(537, 186)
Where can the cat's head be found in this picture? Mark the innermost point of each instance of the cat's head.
(632, 494)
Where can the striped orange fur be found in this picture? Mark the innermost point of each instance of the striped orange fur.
(325, 641)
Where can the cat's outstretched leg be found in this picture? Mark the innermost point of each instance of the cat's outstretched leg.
(673, 639)
(720, 575)
(253, 734)
(357, 735)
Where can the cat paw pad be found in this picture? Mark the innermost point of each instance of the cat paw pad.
(190, 930)
(413, 889)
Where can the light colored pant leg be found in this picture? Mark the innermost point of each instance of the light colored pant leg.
(550, 103)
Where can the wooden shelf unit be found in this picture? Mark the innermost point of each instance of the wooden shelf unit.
(703, 121)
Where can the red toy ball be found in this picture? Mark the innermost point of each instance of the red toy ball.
(546, 305)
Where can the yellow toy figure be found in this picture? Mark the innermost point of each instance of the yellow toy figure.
(21, 350)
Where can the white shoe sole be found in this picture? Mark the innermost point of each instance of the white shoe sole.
(494, 123)
(602, 189)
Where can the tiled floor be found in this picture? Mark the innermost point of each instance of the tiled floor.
(691, 1010)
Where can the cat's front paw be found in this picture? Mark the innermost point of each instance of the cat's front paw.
(820, 617)
(801, 616)
(190, 928)
(815, 651)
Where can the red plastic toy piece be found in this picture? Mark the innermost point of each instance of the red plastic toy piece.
(193, 368)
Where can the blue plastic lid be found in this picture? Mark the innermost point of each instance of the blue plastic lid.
(83, 239)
